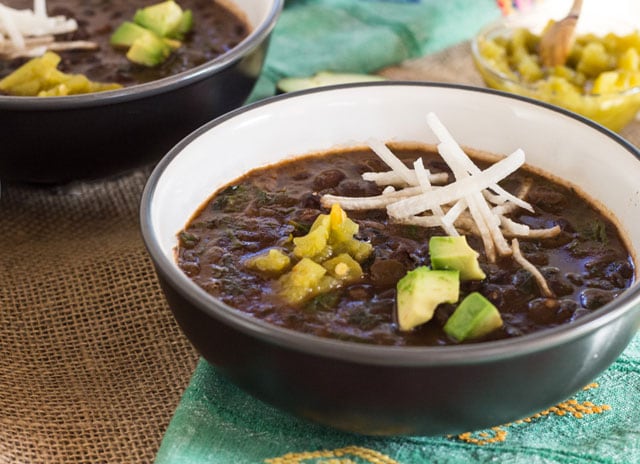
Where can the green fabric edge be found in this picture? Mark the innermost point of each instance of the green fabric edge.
(216, 422)
(362, 36)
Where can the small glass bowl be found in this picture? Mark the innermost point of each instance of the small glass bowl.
(612, 110)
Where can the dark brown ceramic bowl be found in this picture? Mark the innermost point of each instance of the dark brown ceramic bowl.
(381, 389)
(59, 139)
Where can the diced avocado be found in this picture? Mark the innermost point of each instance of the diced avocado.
(322, 78)
(455, 253)
(148, 50)
(475, 317)
(420, 291)
(127, 33)
(270, 260)
(155, 32)
(184, 26)
(172, 43)
(162, 18)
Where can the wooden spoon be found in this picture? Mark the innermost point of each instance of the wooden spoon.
(557, 40)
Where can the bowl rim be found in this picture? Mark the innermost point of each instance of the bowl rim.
(148, 89)
(480, 61)
(464, 354)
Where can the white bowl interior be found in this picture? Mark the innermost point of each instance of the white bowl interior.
(255, 12)
(588, 157)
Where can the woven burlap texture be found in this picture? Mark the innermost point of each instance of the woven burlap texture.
(92, 364)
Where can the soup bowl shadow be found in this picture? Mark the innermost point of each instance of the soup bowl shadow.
(390, 390)
(89, 136)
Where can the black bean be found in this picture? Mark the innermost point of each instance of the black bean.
(543, 310)
(547, 199)
(386, 272)
(443, 313)
(574, 278)
(602, 284)
(310, 200)
(619, 272)
(523, 281)
(190, 268)
(328, 179)
(566, 309)
(213, 253)
(494, 293)
(556, 281)
(538, 258)
(300, 175)
(599, 260)
(497, 274)
(593, 298)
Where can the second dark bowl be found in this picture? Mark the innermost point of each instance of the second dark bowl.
(60, 139)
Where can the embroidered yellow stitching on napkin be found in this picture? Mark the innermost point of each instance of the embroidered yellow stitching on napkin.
(493, 435)
(337, 456)
(571, 406)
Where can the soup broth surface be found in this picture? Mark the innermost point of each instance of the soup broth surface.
(216, 30)
(586, 266)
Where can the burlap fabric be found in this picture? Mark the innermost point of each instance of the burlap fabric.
(92, 365)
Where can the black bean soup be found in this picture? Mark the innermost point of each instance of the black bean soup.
(586, 265)
(216, 30)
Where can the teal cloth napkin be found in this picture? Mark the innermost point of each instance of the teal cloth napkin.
(362, 36)
(218, 423)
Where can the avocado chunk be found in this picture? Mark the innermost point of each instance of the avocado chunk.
(322, 78)
(148, 50)
(127, 33)
(155, 32)
(420, 291)
(455, 253)
(184, 26)
(475, 317)
(162, 18)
